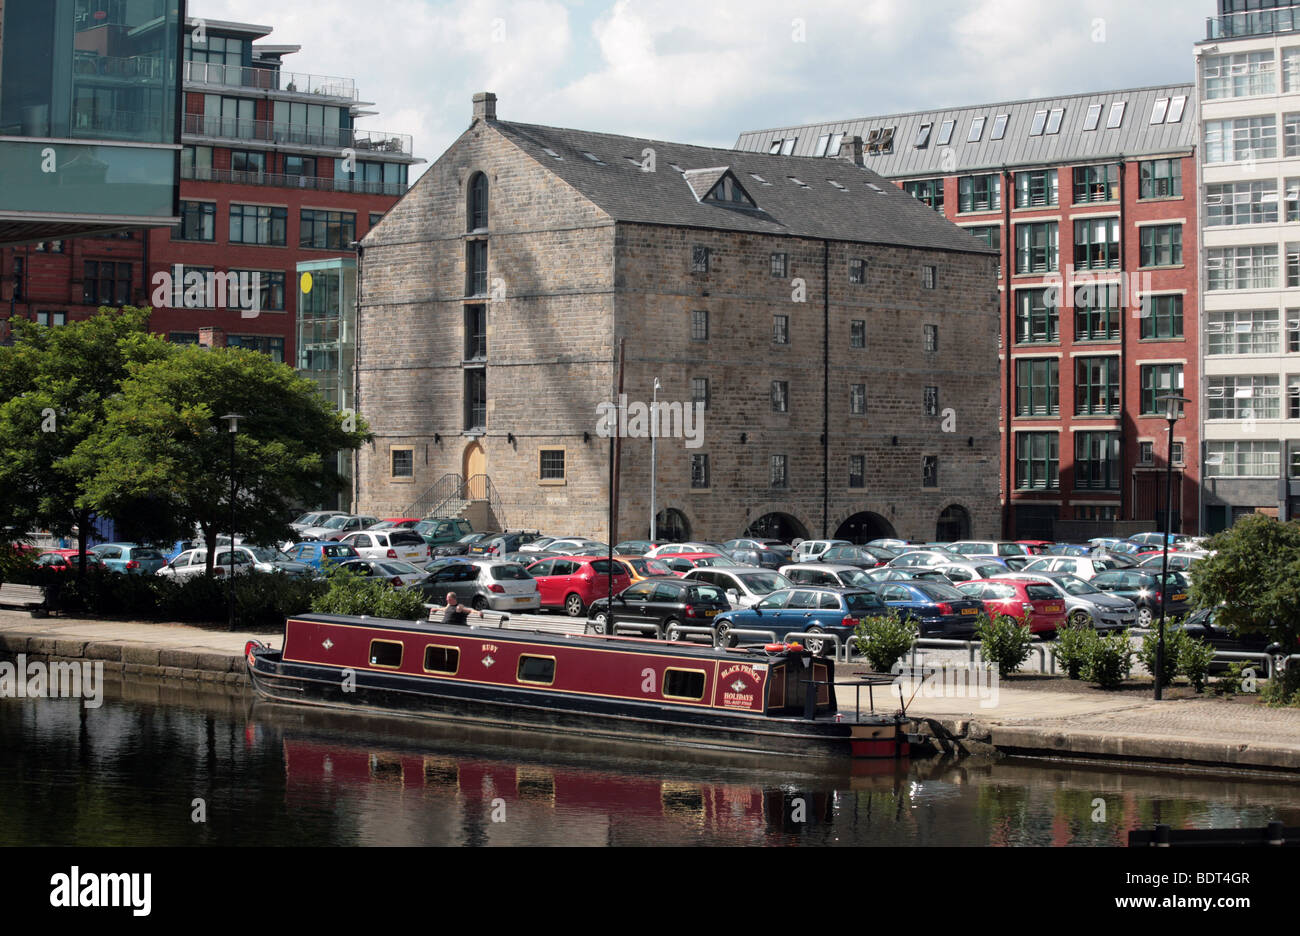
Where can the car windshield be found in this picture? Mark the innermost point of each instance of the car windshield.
(764, 583)
(941, 592)
(262, 554)
(335, 523)
(856, 577)
(510, 573)
(1076, 586)
(397, 568)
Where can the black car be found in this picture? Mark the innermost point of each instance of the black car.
(496, 545)
(462, 545)
(763, 558)
(1202, 625)
(1143, 589)
(667, 602)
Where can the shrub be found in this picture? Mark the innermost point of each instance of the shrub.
(1005, 641)
(16, 565)
(888, 638)
(1175, 638)
(355, 594)
(1229, 683)
(1072, 646)
(1283, 688)
(1194, 659)
(1109, 660)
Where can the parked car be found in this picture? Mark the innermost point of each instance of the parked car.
(461, 546)
(939, 610)
(1203, 625)
(827, 575)
(321, 555)
(744, 586)
(811, 550)
(1084, 567)
(520, 556)
(193, 562)
(958, 572)
(763, 558)
(864, 557)
(485, 583)
(894, 545)
(406, 545)
(1178, 561)
(267, 560)
(916, 573)
(634, 547)
(771, 552)
(129, 558)
(681, 563)
(313, 518)
(1084, 605)
(1143, 589)
(802, 609)
(1011, 563)
(502, 543)
(567, 545)
(665, 602)
(1014, 598)
(1154, 540)
(396, 523)
(440, 530)
(397, 573)
(337, 527)
(679, 548)
(1036, 547)
(924, 557)
(65, 560)
(639, 567)
(574, 582)
(433, 565)
(1067, 549)
(991, 548)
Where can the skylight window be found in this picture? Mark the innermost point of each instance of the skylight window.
(976, 130)
(1176, 106)
(834, 148)
(593, 157)
(821, 144)
(1094, 115)
(875, 188)
(1159, 109)
(945, 132)
(922, 136)
(758, 178)
(676, 167)
(797, 181)
(1040, 121)
(775, 148)
(837, 185)
(886, 142)
(1054, 120)
(1116, 115)
(787, 146)
(999, 127)
(552, 153)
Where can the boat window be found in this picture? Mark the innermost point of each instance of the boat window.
(684, 684)
(441, 659)
(536, 669)
(385, 653)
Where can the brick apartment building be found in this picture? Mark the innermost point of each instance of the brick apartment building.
(839, 336)
(1091, 190)
(273, 173)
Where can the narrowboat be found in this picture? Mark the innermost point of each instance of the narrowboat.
(777, 699)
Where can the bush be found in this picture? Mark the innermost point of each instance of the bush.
(1072, 647)
(16, 565)
(1230, 682)
(1109, 659)
(1283, 688)
(1004, 641)
(1194, 659)
(261, 600)
(888, 638)
(355, 594)
(1175, 638)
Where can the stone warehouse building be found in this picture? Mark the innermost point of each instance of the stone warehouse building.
(839, 337)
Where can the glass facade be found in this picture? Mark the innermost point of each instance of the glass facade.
(327, 329)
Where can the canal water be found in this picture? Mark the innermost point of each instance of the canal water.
(164, 764)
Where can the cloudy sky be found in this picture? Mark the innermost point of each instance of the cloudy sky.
(701, 72)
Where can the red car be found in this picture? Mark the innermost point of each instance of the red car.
(1037, 547)
(64, 560)
(681, 563)
(573, 582)
(1013, 597)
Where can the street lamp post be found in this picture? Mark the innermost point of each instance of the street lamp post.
(654, 434)
(1173, 413)
(232, 420)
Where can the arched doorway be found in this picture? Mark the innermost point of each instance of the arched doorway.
(864, 527)
(671, 526)
(777, 525)
(954, 524)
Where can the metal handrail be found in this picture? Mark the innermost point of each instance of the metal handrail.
(816, 635)
(233, 128)
(280, 180)
(436, 496)
(270, 79)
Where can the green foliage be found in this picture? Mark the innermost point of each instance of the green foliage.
(1283, 688)
(1229, 683)
(888, 637)
(1004, 641)
(261, 600)
(1175, 639)
(16, 565)
(1109, 659)
(356, 594)
(1254, 578)
(1194, 659)
(1072, 647)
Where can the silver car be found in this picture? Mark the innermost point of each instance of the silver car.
(194, 562)
(827, 574)
(485, 583)
(1083, 603)
(1084, 567)
(744, 586)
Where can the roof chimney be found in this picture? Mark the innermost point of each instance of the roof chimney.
(485, 106)
(855, 151)
(211, 337)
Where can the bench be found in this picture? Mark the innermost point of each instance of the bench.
(31, 597)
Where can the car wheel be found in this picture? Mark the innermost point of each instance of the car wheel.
(1080, 618)
(670, 629)
(479, 603)
(599, 623)
(816, 647)
(723, 639)
(1144, 617)
(573, 605)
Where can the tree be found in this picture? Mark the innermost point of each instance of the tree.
(1253, 578)
(164, 437)
(54, 386)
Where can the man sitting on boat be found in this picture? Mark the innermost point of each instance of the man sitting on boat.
(453, 612)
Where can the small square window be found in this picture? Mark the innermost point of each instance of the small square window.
(699, 259)
(778, 265)
(777, 472)
(550, 465)
(929, 276)
(403, 463)
(857, 270)
(857, 471)
(1146, 453)
(780, 396)
(781, 329)
(858, 399)
(930, 471)
(858, 333)
(700, 390)
(931, 337)
(700, 325)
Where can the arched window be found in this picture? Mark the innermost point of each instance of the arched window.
(478, 202)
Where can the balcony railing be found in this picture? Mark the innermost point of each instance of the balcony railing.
(232, 128)
(269, 79)
(1253, 23)
(240, 177)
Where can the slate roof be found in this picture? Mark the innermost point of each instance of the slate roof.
(1136, 135)
(862, 207)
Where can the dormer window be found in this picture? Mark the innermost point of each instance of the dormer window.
(728, 191)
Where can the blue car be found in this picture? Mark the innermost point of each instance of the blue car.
(939, 610)
(806, 609)
(322, 555)
(129, 558)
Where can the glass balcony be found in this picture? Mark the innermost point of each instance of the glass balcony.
(1253, 23)
(269, 79)
(363, 141)
(275, 180)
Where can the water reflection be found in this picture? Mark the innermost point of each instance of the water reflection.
(132, 771)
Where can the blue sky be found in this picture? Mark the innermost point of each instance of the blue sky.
(703, 72)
